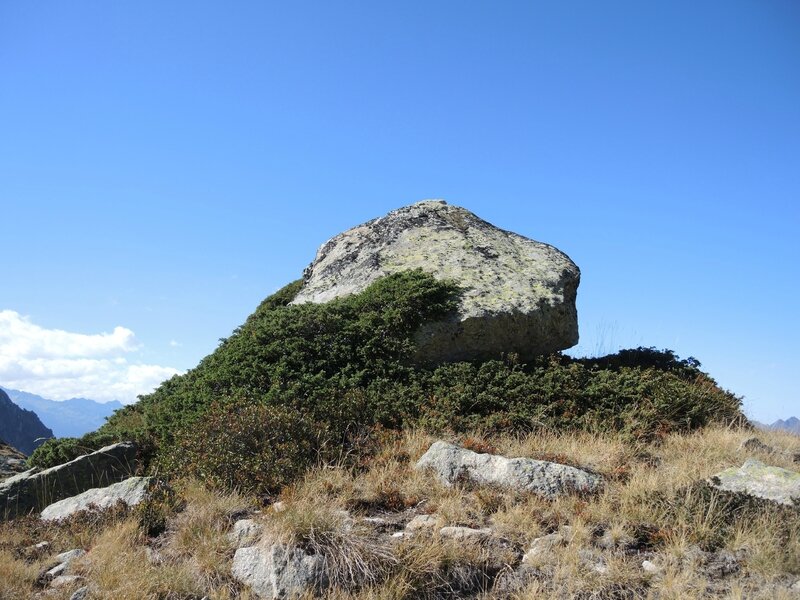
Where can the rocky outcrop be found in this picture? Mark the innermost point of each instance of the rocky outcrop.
(279, 571)
(130, 492)
(21, 428)
(32, 490)
(453, 464)
(12, 461)
(518, 294)
(762, 481)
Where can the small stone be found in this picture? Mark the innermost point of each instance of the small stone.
(650, 567)
(753, 444)
(279, 506)
(465, 533)
(64, 560)
(401, 534)
(542, 545)
(593, 561)
(378, 521)
(422, 522)
(80, 594)
(65, 580)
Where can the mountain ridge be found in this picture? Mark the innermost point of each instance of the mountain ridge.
(66, 418)
(19, 427)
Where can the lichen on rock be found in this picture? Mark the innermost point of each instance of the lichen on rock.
(518, 295)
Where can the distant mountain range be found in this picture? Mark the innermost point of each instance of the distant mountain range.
(67, 418)
(20, 428)
(792, 425)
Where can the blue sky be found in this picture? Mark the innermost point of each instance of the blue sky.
(165, 166)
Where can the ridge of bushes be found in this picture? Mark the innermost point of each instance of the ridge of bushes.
(332, 372)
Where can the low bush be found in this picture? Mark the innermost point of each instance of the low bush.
(252, 448)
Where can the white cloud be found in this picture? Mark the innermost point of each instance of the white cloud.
(60, 364)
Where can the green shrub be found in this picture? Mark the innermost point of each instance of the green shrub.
(56, 451)
(253, 448)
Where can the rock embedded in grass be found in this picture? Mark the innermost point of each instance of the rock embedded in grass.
(34, 489)
(279, 571)
(518, 294)
(130, 492)
(454, 464)
(761, 481)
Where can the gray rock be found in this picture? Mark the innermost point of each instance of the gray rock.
(131, 492)
(33, 490)
(81, 593)
(245, 532)
(651, 567)
(37, 550)
(463, 534)
(542, 546)
(65, 581)
(279, 571)
(511, 582)
(422, 522)
(518, 294)
(593, 561)
(757, 479)
(453, 463)
(753, 444)
(64, 559)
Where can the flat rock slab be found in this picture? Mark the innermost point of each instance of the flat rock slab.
(518, 294)
(131, 492)
(34, 489)
(453, 464)
(762, 481)
(279, 571)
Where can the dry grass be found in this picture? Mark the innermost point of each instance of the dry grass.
(651, 508)
(198, 534)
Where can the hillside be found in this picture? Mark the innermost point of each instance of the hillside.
(66, 418)
(19, 427)
(319, 369)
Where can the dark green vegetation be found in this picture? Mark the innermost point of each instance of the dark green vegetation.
(307, 382)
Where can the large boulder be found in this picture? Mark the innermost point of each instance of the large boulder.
(279, 571)
(454, 464)
(754, 478)
(518, 294)
(130, 492)
(32, 490)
